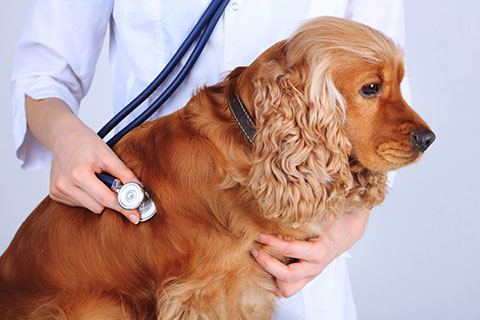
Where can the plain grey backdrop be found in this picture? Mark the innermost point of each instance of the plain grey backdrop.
(420, 256)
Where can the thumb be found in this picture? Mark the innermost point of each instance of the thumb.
(119, 170)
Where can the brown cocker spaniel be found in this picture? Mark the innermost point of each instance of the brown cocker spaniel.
(327, 122)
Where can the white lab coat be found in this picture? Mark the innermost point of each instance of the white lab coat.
(58, 50)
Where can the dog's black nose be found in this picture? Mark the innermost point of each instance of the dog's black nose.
(423, 139)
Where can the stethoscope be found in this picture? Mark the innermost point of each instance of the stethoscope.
(132, 195)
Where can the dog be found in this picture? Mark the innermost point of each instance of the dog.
(321, 122)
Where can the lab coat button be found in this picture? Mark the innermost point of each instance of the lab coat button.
(235, 6)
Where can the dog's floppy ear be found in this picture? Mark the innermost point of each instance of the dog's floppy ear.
(300, 157)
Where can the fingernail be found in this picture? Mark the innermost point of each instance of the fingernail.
(257, 237)
(133, 218)
(254, 252)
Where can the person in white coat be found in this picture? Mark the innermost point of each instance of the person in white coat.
(54, 66)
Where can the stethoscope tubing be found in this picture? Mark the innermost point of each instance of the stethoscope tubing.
(202, 30)
(204, 20)
(178, 79)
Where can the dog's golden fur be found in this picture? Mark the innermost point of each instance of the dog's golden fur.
(321, 148)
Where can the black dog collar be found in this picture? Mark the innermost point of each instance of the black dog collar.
(242, 117)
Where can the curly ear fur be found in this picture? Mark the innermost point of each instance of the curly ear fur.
(300, 167)
(300, 171)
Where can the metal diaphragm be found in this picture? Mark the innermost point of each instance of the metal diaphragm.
(130, 196)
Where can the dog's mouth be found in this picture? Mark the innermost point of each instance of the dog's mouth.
(353, 161)
(396, 155)
(389, 156)
(355, 164)
(393, 154)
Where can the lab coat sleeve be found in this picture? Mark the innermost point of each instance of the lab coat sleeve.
(389, 18)
(55, 58)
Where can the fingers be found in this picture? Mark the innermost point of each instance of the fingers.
(79, 186)
(290, 278)
(84, 189)
(292, 248)
(290, 273)
(107, 198)
(313, 255)
(312, 259)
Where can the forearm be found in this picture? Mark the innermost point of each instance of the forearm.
(50, 118)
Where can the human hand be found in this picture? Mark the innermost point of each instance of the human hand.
(78, 153)
(313, 255)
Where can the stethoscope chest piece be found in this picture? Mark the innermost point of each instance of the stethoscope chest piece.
(132, 196)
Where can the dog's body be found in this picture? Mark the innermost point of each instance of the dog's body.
(315, 156)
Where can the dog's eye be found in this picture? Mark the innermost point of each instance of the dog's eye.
(370, 90)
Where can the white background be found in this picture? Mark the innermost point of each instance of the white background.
(420, 256)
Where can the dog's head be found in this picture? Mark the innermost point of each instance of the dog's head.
(329, 94)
